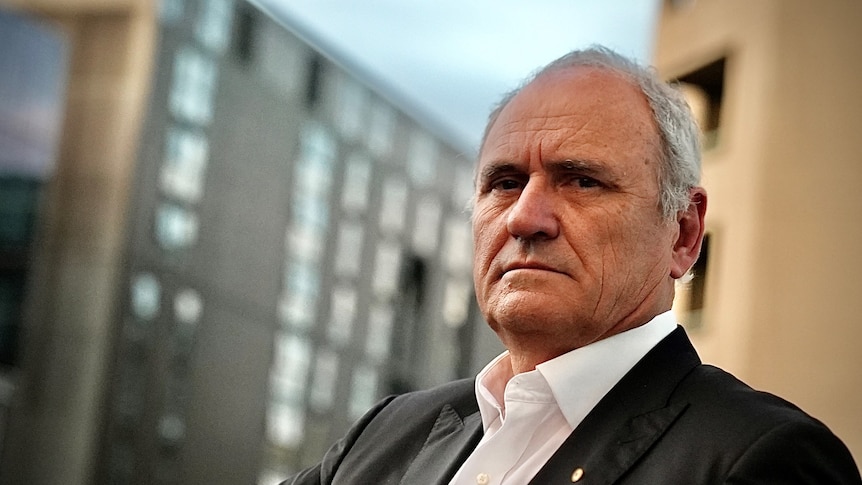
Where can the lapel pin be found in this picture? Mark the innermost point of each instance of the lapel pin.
(577, 474)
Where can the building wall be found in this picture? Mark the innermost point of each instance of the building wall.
(222, 289)
(782, 302)
(55, 419)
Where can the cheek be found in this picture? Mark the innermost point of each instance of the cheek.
(488, 239)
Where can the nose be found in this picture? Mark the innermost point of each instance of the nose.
(534, 215)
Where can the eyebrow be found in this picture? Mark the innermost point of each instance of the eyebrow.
(580, 166)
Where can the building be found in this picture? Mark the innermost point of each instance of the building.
(777, 297)
(263, 241)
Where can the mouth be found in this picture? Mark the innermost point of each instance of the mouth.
(530, 266)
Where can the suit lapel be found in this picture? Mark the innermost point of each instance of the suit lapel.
(628, 420)
(450, 442)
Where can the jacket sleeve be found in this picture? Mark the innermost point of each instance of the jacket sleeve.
(323, 472)
(796, 452)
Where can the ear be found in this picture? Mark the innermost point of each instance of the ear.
(686, 249)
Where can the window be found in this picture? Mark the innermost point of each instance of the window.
(363, 391)
(357, 179)
(348, 256)
(382, 124)
(214, 24)
(427, 226)
(325, 376)
(342, 315)
(458, 245)
(193, 87)
(290, 367)
(422, 158)
(394, 205)
(462, 194)
(285, 424)
(352, 105)
(704, 91)
(379, 333)
(182, 174)
(176, 227)
(145, 295)
(387, 266)
(456, 302)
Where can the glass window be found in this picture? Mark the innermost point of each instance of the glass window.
(387, 265)
(182, 174)
(456, 302)
(305, 242)
(462, 192)
(394, 204)
(146, 296)
(297, 311)
(349, 252)
(193, 86)
(380, 129)
(188, 307)
(357, 180)
(342, 316)
(379, 334)
(325, 377)
(285, 424)
(290, 367)
(426, 227)
(302, 278)
(175, 227)
(309, 210)
(314, 177)
(214, 24)
(422, 158)
(363, 391)
(353, 101)
(318, 146)
(280, 58)
(458, 245)
(171, 11)
(172, 430)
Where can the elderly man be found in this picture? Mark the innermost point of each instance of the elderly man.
(587, 209)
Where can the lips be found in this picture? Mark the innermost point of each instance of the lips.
(530, 265)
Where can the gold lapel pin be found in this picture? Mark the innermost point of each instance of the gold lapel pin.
(577, 474)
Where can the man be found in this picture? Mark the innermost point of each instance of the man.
(587, 209)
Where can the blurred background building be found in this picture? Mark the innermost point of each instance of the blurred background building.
(221, 242)
(777, 300)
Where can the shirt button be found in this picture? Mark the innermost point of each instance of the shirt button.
(482, 479)
(577, 474)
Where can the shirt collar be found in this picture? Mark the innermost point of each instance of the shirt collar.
(580, 378)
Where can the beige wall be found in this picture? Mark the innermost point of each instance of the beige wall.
(785, 185)
(55, 422)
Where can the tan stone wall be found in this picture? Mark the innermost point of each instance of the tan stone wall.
(782, 299)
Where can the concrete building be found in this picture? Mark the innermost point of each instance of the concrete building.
(249, 241)
(777, 301)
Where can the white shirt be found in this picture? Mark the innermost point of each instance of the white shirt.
(526, 417)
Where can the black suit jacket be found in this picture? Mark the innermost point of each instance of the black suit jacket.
(670, 420)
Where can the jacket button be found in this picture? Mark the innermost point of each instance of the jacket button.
(482, 479)
(577, 474)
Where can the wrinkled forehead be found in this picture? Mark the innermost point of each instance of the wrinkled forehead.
(570, 110)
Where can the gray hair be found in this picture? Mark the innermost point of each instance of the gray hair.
(680, 141)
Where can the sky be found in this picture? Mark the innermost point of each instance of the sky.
(454, 59)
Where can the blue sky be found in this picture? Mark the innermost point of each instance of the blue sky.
(454, 59)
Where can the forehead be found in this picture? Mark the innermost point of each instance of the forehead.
(581, 112)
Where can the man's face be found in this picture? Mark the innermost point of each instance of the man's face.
(570, 244)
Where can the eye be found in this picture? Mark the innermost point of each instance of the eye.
(587, 182)
(506, 184)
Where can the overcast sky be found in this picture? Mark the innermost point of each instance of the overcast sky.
(453, 59)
